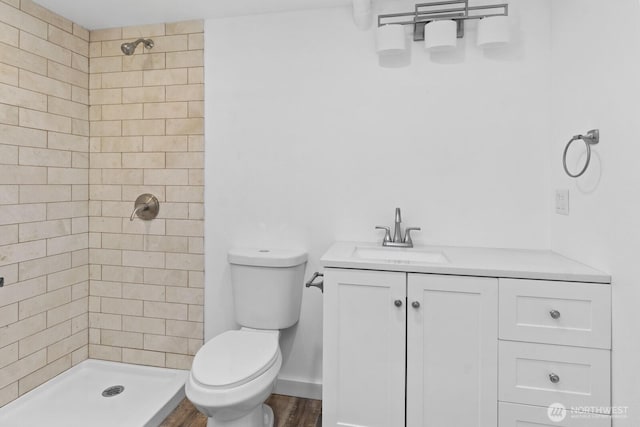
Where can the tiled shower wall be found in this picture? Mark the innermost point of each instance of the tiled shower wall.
(146, 114)
(62, 193)
(44, 164)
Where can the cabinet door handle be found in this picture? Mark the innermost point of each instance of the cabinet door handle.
(398, 303)
(554, 378)
(415, 304)
(555, 314)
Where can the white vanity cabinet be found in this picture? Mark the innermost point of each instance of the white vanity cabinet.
(428, 339)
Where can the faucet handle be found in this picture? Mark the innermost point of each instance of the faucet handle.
(407, 234)
(387, 234)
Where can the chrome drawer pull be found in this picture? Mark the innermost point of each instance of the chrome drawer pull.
(398, 303)
(415, 304)
(554, 378)
(555, 314)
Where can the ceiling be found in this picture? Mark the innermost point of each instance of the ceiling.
(95, 14)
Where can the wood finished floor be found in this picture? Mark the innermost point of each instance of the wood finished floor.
(289, 412)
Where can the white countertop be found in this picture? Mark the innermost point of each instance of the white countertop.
(483, 262)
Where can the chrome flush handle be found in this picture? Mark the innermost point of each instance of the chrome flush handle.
(554, 378)
(555, 314)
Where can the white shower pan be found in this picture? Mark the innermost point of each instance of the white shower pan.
(75, 397)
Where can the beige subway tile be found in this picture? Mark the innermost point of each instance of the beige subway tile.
(165, 143)
(143, 292)
(8, 155)
(190, 92)
(106, 128)
(196, 75)
(43, 230)
(166, 110)
(108, 64)
(44, 374)
(23, 328)
(106, 34)
(121, 339)
(95, 113)
(165, 343)
(193, 228)
(63, 244)
(22, 367)
(185, 160)
(105, 321)
(196, 313)
(131, 192)
(143, 324)
(196, 41)
(143, 259)
(23, 97)
(10, 392)
(143, 357)
(43, 266)
(46, 15)
(45, 193)
(180, 328)
(122, 274)
(191, 58)
(196, 211)
(196, 109)
(67, 312)
(185, 295)
(166, 277)
(9, 354)
(80, 95)
(122, 176)
(185, 194)
(122, 112)
(175, 210)
(61, 141)
(164, 310)
(80, 127)
(152, 61)
(23, 21)
(105, 192)
(11, 174)
(143, 127)
(171, 43)
(44, 48)
(8, 114)
(117, 209)
(67, 108)
(67, 278)
(194, 345)
(8, 234)
(9, 35)
(42, 157)
(15, 214)
(41, 303)
(68, 41)
(196, 177)
(143, 160)
(9, 314)
(143, 94)
(81, 322)
(145, 31)
(185, 27)
(9, 195)
(69, 74)
(194, 126)
(122, 79)
(103, 352)
(81, 32)
(196, 279)
(80, 355)
(67, 346)
(196, 245)
(80, 257)
(121, 144)
(166, 176)
(178, 76)
(105, 160)
(95, 81)
(44, 338)
(122, 241)
(105, 256)
(121, 306)
(105, 225)
(80, 160)
(68, 176)
(95, 49)
(45, 121)
(67, 210)
(106, 96)
(8, 74)
(22, 59)
(20, 252)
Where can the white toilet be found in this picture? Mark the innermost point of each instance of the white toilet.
(234, 373)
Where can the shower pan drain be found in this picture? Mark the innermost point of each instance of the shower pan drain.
(114, 390)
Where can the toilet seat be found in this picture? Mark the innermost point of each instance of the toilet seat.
(235, 358)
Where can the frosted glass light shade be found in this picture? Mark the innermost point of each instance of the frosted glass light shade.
(390, 39)
(493, 32)
(440, 35)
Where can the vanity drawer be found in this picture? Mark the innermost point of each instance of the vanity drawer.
(563, 313)
(512, 415)
(541, 374)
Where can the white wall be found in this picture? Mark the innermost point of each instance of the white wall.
(596, 69)
(309, 141)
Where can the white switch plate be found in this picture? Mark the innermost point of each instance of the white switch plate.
(562, 202)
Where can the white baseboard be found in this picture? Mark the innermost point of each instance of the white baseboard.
(298, 388)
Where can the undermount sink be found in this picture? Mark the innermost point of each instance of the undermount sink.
(400, 255)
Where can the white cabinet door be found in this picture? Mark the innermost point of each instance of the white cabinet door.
(512, 415)
(452, 351)
(364, 348)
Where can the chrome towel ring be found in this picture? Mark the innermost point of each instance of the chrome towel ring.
(591, 138)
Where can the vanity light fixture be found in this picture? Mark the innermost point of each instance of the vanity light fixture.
(440, 23)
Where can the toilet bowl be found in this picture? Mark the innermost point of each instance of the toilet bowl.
(235, 372)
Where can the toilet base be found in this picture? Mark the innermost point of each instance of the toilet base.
(261, 416)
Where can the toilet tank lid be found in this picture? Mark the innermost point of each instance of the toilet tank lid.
(266, 257)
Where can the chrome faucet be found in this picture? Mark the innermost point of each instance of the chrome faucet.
(398, 241)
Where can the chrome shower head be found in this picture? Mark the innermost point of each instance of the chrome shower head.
(130, 48)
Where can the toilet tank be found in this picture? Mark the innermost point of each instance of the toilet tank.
(267, 286)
